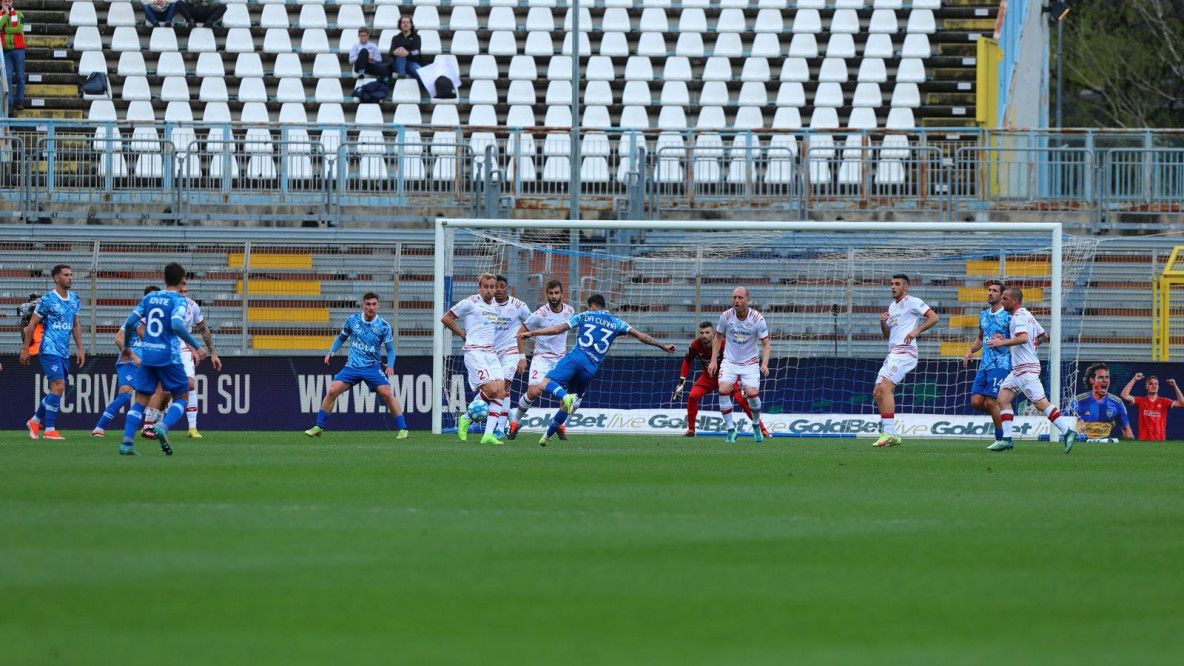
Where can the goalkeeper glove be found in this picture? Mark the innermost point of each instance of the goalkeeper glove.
(674, 397)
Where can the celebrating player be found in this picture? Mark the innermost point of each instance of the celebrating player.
(548, 349)
(1153, 410)
(701, 349)
(906, 318)
(367, 333)
(596, 329)
(163, 315)
(996, 362)
(1025, 372)
(480, 313)
(127, 367)
(1098, 411)
(58, 309)
(511, 352)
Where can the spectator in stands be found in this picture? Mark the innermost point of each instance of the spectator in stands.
(366, 58)
(1153, 410)
(405, 50)
(1099, 412)
(12, 39)
(159, 12)
(201, 12)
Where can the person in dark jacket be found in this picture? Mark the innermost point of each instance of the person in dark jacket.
(201, 12)
(405, 48)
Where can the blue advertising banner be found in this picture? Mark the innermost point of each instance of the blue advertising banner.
(277, 393)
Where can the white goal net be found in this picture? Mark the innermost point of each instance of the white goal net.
(821, 287)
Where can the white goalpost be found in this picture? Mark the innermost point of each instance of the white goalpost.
(820, 287)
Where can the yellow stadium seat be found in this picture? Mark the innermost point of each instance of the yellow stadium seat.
(235, 260)
(990, 268)
(979, 295)
(318, 315)
(261, 287)
(955, 348)
(318, 342)
(964, 321)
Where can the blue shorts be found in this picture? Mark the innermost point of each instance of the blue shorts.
(55, 367)
(127, 374)
(988, 381)
(372, 376)
(572, 374)
(171, 378)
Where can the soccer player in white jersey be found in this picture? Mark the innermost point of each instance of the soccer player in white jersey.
(480, 313)
(1025, 372)
(548, 349)
(510, 350)
(906, 318)
(743, 328)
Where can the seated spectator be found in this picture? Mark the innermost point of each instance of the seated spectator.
(201, 12)
(1098, 412)
(1153, 410)
(159, 12)
(405, 48)
(366, 58)
(12, 40)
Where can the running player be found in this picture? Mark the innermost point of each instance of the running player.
(480, 313)
(906, 318)
(548, 349)
(511, 352)
(368, 334)
(701, 349)
(58, 309)
(163, 316)
(596, 330)
(1025, 372)
(127, 368)
(740, 328)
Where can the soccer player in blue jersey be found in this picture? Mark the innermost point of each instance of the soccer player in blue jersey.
(1099, 410)
(596, 328)
(163, 316)
(996, 361)
(368, 334)
(58, 310)
(127, 368)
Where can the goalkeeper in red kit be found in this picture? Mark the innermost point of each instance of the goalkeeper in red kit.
(706, 384)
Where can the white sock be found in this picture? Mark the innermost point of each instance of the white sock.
(191, 416)
(725, 408)
(1058, 419)
(1006, 415)
(888, 423)
(493, 419)
(503, 408)
(524, 404)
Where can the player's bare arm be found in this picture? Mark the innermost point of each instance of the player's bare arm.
(449, 321)
(885, 330)
(550, 330)
(27, 338)
(523, 364)
(1179, 401)
(78, 342)
(1126, 390)
(645, 338)
(931, 320)
(999, 341)
(716, 344)
(207, 337)
(766, 345)
(974, 346)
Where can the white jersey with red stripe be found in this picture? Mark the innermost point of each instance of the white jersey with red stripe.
(192, 316)
(1023, 356)
(550, 346)
(512, 314)
(479, 321)
(743, 336)
(904, 316)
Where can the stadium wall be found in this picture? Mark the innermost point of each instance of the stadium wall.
(283, 394)
(1024, 70)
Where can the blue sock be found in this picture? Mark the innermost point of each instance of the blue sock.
(998, 434)
(322, 416)
(112, 409)
(134, 416)
(39, 415)
(52, 402)
(556, 390)
(176, 411)
(400, 422)
(560, 419)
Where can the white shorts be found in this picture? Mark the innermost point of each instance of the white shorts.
(483, 367)
(1027, 383)
(539, 367)
(748, 376)
(187, 361)
(509, 365)
(896, 367)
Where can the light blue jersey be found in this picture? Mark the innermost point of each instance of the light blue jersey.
(135, 345)
(161, 346)
(595, 332)
(366, 340)
(57, 314)
(990, 323)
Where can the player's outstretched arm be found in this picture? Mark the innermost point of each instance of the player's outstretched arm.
(1179, 402)
(647, 339)
(1000, 341)
(550, 330)
(1126, 390)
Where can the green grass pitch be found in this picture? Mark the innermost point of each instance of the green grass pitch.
(270, 548)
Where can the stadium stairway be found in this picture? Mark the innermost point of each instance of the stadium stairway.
(51, 67)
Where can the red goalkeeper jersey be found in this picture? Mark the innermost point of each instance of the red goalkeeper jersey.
(702, 352)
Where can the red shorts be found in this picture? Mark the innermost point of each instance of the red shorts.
(707, 382)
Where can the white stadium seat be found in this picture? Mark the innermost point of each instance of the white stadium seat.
(86, 38)
(210, 64)
(83, 13)
(131, 63)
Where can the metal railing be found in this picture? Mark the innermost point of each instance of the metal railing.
(888, 176)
